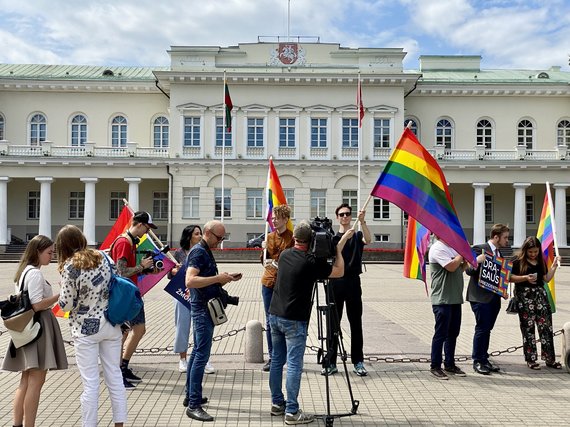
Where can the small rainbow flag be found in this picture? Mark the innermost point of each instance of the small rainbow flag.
(417, 241)
(146, 282)
(545, 234)
(58, 312)
(414, 182)
(275, 195)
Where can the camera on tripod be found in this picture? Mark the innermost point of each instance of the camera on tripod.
(155, 255)
(323, 243)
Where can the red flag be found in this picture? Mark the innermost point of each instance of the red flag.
(228, 107)
(121, 224)
(359, 104)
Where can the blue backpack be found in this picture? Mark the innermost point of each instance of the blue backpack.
(125, 299)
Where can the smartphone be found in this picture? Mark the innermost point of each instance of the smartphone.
(236, 276)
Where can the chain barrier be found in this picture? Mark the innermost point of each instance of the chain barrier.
(314, 348)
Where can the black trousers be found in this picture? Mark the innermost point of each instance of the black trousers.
(347, 291)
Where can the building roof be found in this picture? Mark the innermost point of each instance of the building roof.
(77, 72)
(552, 76)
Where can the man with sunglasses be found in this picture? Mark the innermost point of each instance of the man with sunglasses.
(347, 290)
(205, 283)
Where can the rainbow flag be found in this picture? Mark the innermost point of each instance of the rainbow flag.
(417, 241)
(121, 225)
(146, 282)
(58, 312)
(545, 234)
(275, 195)
(414, 182)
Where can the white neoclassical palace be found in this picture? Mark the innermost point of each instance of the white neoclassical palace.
(75, 140)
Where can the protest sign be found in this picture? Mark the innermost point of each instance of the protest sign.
(495, 274)
(177, 287)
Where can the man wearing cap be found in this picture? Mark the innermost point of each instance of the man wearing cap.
(289, 315)
(123, 251)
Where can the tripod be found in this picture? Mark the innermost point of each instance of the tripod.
(327, 316)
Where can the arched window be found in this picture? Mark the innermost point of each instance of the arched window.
(444, 133)
(485, 135)
(525, 134)
(1, 127)
(38, 129)
(78, 130)
(161, 131)
(119, 132)
(562, 133)
(414, 127)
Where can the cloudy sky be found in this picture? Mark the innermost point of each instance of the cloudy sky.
(531, 34)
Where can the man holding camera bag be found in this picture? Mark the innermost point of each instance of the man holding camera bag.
(205, 283)
(290, 311)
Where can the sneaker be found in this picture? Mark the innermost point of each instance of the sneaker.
(277, 410)
(127, 384)
(439, 374)
(209, 369)
(331, 370)
(182, 365)
(129, 376)
(298, 417)
(454, 370)
(267, 366)
(360, 370)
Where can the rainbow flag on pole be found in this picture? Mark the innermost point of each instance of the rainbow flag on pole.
(414, 182)
(275, 195)
(545, 234)
(417, 241)
(146, 282)
(121, 225)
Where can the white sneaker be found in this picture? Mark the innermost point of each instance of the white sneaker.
(209, 369)
(182, 365)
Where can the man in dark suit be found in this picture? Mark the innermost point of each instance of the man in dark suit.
(485, 304)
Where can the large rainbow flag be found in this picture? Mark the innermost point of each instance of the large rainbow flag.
(275, 195)
(121, 225)
(417, 241)
(414, 182)
(545, 234)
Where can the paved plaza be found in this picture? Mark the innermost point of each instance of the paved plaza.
(398, 323)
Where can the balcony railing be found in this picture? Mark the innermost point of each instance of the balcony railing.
(132, 150)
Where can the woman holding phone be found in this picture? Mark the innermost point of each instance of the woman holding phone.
(529, 274)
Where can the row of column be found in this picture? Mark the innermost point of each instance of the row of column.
(45, 206)
(519, 223)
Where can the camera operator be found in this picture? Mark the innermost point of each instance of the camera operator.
(290, 311)
(347, 290)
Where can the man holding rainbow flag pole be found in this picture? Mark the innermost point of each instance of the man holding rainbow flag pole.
(278, 218)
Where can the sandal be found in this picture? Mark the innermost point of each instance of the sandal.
(554, 365)
(533, 365)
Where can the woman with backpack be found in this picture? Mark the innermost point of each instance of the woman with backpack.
(85, 277)
(34, 359)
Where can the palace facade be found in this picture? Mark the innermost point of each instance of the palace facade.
(75, 140)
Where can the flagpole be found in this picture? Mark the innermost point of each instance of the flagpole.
(552, 221)
(358, 103)
(267, 213)
(223, 152)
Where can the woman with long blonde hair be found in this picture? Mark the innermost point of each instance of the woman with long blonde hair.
(33, 360)
(85, 277)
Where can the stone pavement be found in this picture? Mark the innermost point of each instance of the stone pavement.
(398, 322)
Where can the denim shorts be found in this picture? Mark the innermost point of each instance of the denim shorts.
(139, 318)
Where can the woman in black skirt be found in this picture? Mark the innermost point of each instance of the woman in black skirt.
(33, 360)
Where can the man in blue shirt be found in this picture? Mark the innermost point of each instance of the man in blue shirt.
(205, 283)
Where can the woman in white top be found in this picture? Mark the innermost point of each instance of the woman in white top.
(85, 277)
(48, 352)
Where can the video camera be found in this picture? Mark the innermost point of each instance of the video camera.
(157, 263)
(227, 298)
(323, 244)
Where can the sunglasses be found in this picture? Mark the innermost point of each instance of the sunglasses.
(220, 239)
(344, 214)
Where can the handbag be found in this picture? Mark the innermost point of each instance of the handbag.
(513, 305)
(217, 312)
(20, 318)
(125, 300)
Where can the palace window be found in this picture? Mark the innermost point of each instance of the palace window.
(191, 131)
(318, 133)
(78, 130)
(191, 202)
(349, 133)
(161, 132)
(562, 133)
(220, 133)
(255, 132)
(525, 134)
(287, 133)
(484, 132)
(414, 126)
(116, 204)
(76, 205)
(489, 208)
(318, 203)
(38, 129)
(381, 209)
(119, 132)
(381, 133)
(350, 197)
(33, 204)
(444, 133)
(218, 203)
(254, 203)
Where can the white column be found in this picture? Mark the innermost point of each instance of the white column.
(479, 212)
(45, 205)
(134, 192)
(4, 239)
(519, 223)
(89, 215)
(560, 213)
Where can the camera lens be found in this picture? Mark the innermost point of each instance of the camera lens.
(159, 264)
